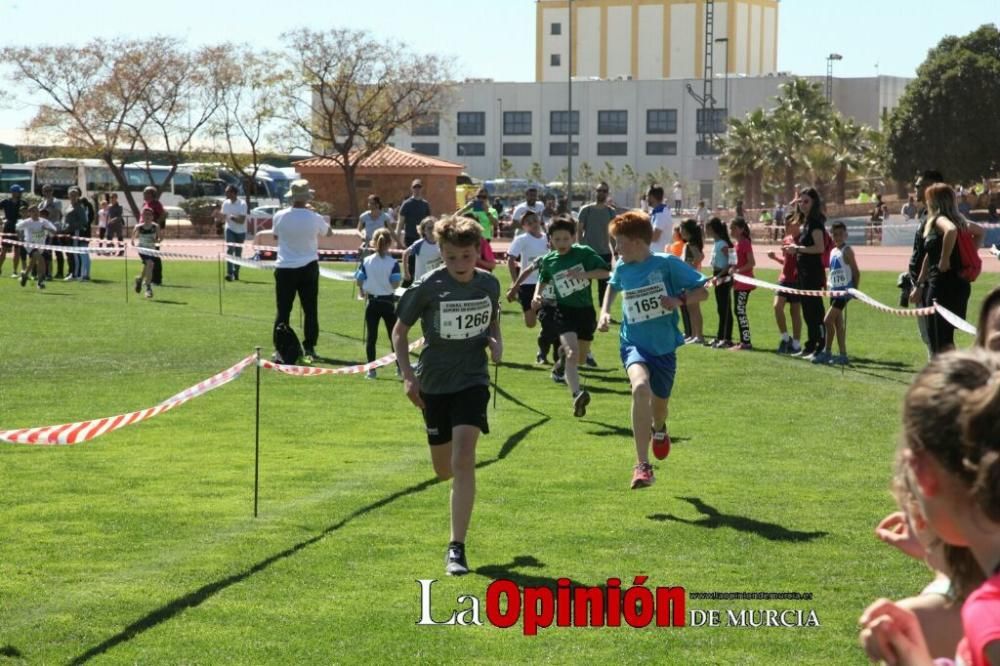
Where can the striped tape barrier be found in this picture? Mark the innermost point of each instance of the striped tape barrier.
(947, 314)
(309, 371)
(68, 434)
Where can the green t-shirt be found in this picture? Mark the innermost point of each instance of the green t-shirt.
(455, 317)
(571, 292)
(486, 222)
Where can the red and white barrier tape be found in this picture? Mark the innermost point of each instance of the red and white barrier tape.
(899, 312)
(789, 290)
(65, 249)
(269, 266)
(955, 320)
(83, 431)
(307, 371)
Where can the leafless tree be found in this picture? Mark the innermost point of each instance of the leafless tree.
(347, 92)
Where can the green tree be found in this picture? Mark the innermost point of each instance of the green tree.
(847, 142)
(947, 118)
(506, 169)
(799, 120)
(535, 173)
(744, 154)
(584, 176)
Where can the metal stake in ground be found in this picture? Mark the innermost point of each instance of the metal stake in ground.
(220, 282)
(256, 440)
(125, 263)
(496, 387)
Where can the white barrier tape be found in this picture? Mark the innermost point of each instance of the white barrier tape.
(955, 320)
(789, 290)
(307, 371)
(251, 263)
(65, 249)
(899, 312)
(84, 431)
(336, 275)
(166, 253)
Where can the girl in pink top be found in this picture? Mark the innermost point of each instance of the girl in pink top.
(951, 452)
(740, 233)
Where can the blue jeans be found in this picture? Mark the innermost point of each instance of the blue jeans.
(81, 267)
(233, 237)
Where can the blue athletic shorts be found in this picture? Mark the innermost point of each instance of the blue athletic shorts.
(661, 368)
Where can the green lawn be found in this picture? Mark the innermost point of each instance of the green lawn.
(140, 547)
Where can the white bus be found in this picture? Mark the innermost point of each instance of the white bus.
(94, 178)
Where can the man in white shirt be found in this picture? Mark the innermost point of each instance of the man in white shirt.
(296, 231)
(663, 223)
(531, 204)
(678, 198)
(234, 214)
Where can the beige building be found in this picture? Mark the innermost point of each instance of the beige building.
(653, 39)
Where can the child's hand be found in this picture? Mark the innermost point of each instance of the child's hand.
(604, 322)
(511, 295)
(411, 386)
(892, 634)
(771, 254)
(496, 349)
(536, 302)
(895, 531)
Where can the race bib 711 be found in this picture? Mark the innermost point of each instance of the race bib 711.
(461, 320)
(566, 285)
(643, 303)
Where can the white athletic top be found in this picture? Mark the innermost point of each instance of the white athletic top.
(427, 257)
(662, 219)
(527, 248)
(841, 276)
(380, 275)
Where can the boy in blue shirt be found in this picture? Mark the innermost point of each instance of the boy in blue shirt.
(653, 287)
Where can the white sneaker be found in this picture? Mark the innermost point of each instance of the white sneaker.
(370, 374)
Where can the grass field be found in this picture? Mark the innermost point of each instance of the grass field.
(140, 547)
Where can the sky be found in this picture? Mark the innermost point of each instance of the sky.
(889, 37)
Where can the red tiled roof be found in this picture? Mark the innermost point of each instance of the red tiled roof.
(385, 157)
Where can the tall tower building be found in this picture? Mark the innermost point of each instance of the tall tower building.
(653, 39)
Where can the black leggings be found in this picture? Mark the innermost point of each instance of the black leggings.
(740, 310)
(378, 309)
(725, 331)
(812, 312)
(951, 292)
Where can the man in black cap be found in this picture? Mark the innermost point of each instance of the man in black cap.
(13, 210)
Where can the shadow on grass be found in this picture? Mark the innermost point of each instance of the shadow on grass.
(197, 597)
(513, 571)
(714, 519)
(55, 293)
(508, 396)
(10, 651)
(592, 388)
(888, 378)
(621, 431)
(167, 301)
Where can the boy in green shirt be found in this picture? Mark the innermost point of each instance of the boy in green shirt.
(569, 268)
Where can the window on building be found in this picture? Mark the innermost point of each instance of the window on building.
(706, 122)
(429, 125)
(426, 148)
(517, 122)
(520, 149)
(471, 149)
(612, 122)
(556, 29)
(559, 149)
(471, 123)
(612, 148)
(661, 147)
(661, 121)
(564, 122)
(555, 60)
(706, 148)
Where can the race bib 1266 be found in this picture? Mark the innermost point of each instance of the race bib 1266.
(643, 304)
(461, 320)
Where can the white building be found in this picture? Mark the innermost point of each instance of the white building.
(645, 124)
(653, 39)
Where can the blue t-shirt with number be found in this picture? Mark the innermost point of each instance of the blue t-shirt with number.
(645, 323)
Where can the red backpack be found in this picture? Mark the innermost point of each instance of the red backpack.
(972, 265)
(828, 247)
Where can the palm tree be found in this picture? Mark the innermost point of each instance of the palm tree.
(799, 120)
(743, 159)
(846, 140)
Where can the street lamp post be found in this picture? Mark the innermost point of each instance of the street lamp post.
(569, 95)
(829, 74)
(500, 135)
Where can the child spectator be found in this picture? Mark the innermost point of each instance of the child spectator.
(425, 251)
(723, 285)
(148, 235)
(788, 278)
(844, 274)
(523, 251)
(694, 254)
(378, 278)
(740, 233)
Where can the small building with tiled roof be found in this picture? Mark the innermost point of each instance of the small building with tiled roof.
(387, 173)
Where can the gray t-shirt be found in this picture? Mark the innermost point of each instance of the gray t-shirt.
(594, 222)
(455, 317)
